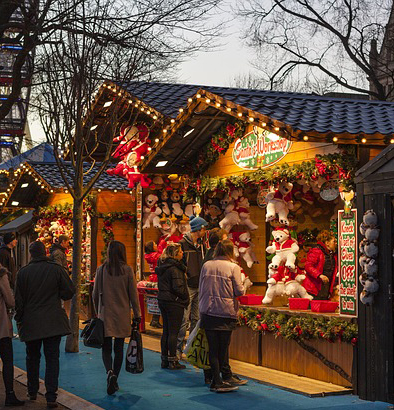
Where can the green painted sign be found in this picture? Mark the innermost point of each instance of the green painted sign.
(347, 262)
(259, 149)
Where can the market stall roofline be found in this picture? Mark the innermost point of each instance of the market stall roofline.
(295, 116)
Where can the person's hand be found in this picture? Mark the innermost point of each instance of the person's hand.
(324, 278)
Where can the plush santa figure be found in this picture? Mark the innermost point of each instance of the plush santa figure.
(243, 247)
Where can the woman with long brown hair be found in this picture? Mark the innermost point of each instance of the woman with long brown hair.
(173, 298)
(114, 292)
(220, 284)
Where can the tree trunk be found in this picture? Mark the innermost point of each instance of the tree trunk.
(72, 342)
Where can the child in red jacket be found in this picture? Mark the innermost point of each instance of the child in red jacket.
(152, 255)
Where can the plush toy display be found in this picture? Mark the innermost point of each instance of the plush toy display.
(176, 207)
(231, 216)
(151, 212)
(287, 282)
(279, 202)
(243, 247)
(242, 207)
(369, 251)
(284, 248)
(213, 212)
(163, 204)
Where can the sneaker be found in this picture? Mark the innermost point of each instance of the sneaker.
(51, 404)
(223, 388)
(175, 365)
(156, 325)
(12, 401)
(32, 396)
(236, 381)
(111, 383)
(207, 380)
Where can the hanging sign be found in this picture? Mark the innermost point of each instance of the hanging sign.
(347, 262)
(259, 149)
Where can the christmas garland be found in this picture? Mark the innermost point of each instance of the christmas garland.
(299, 327)
(218, 145)
(340, 166)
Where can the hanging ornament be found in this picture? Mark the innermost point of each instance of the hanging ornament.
(329, 190)
(263, 191)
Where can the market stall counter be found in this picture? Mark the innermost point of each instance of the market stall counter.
(316, 345)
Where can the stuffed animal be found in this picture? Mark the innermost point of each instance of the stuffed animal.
(371, 267)
(363, 260)
(188, 207)
(184, 225)
(370, 218)
(213, 212)
(279, 202)
(176, 207)
(54, 228)
(151, 212)
(163, 204)
(292, 284)
(371, 249)
(243, 247)
(372, 233)
(242, 207)
(157, 183)
(231, 216)
(284, 248)
(366, 298)
(168, 229)
(369, 283)
(174, 181)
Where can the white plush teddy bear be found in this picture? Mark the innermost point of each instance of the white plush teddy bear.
(242, 207)
(151, 212)
(279, 202)
(243, 247)
(54, 228)
(284, 248)
(231, 216)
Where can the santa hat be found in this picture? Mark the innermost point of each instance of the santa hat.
(285, 230)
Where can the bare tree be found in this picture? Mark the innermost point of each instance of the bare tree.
(104, 40)
(331, 40)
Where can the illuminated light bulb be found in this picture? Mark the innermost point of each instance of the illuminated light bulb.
(364, 140)
(207, 100)
(264, 124)
(8, 190)
(142, 108)
(180, 109)
(149, 149)
(119, 94)
(99, 190)
(142, 157)
(392, 141)
(239, 114)
(172, 121)
(335, 139)
(66, 191)
(29, 172)
(218, 105)
(135, 105)
(190, 100)
(277, 129)
(251, 119)
(130, 102)
(51, 191)
(305, 138)
(157, 140)
(115, 190)
(164, 131)
(148, 112)
(104, 85)
(228, 109)
(198, 95)
(36, 179)
(155, 117)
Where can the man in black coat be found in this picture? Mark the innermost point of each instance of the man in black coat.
(6, 257)
(40, 288)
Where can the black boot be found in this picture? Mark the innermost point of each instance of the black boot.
(173, 364)
(11, 400)
(164, 362)
(155, 322)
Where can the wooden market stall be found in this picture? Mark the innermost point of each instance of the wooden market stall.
(211, 141)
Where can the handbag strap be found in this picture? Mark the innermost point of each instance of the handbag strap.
(101, 302)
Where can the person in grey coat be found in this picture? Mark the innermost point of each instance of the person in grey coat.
(7, 302)
(114, 292)
(40, 288)
(58, 251)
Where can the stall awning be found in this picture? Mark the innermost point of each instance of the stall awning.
(18, 225)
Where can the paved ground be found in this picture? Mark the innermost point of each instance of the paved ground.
(83, 375)
(20, 390)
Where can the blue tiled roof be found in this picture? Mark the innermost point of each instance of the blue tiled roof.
(42, 152)
(304, 112)
(50, 172)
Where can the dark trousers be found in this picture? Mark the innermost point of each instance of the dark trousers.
(7, 357)
(219, 342)
(225, 369)
(33, 356)
(172, 321)
(116, 364)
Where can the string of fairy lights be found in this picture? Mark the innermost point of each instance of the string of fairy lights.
(27, 169)
(228, 107)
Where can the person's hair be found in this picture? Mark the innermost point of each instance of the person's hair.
(149, 247)
(171, 251)
(62, 238)
(116, 258)
(215, 235)
(325, 236)
(224, 248)
(37, 249)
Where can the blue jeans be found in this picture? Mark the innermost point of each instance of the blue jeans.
(192, 312)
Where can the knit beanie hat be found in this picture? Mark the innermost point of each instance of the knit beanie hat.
(196, 223)
(8, 237)
(37, 249)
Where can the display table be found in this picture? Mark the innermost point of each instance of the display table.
(264, 349)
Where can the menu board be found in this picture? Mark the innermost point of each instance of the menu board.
(347, 262)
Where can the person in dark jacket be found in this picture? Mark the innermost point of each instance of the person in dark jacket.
(58, 251)
(173, 298)
(40, 287)
(193, 254)
(7, 302)
(6, 257)
(321, 267)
